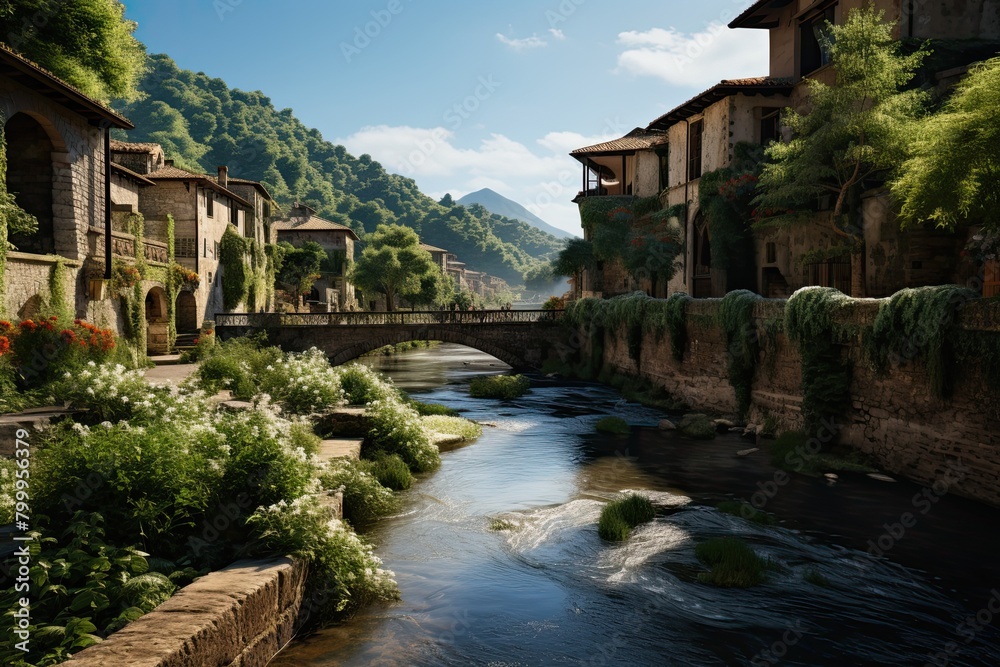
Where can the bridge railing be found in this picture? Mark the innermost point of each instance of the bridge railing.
(270, 320)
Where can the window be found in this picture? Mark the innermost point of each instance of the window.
(770, 126)
(210, 203)
(664, 156)
(694, 149)
(814, 31)
(772, 252)
(234, 215)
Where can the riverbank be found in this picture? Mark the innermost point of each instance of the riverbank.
(545, 589)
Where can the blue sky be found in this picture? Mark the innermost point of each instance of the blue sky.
(464, 95)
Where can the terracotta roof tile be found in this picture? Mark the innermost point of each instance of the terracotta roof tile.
(756, 85)
(430, 248)
(130, 147)
(311, 224)
(172, 173)
(636, 140)
(131, 174)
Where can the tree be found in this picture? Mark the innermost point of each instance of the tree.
(300, 268)
(88, 43)
(393, 264)
(578, 255)
(953, 174)
(852, 131)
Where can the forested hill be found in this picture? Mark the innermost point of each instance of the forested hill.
(202, 123)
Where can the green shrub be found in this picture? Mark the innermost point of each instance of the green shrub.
(732, 563)
(362, 385)
(697, 426)
(504, 387)
(302, 383)
(391, 472)
(614, 425)
(85, 589)
(8, 490)
(344, 572)
(746, 511)
(365, 498)
(742, 344)
(621, 515)
(454, 426)
(431, 409)
(395, 428)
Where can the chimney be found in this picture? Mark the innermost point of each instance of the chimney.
(168, 163)
(224, 176)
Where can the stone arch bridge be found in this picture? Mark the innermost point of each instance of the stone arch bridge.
(523, 339)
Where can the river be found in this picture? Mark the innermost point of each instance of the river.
(549, 591)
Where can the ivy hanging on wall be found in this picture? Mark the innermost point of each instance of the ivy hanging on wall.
(919, 323)
(675, 321)
(58, 303)
(742, 344)
(810, 323)
(173, 285)
(236, 273)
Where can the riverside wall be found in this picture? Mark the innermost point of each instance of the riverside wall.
(894, 417)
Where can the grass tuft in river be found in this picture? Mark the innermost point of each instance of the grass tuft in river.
(732, 563)
(614, 425)
(621, 515)
(793, 451)
(499, 386)
(501, 525)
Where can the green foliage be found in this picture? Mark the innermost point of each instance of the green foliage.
(918, 323)
(83, 589)
(395, 428)
(46, 350)
(453, 426)
(504, 387)
(238, 365)
(796, 451)
(951, 175)
(697, 426)
(365, 498)
(236, 275)
(810, 322)
(613, 425)
(724, 198)
(344, 572)
(853, 131)
(299, 267)
(622, 514)
(391, 472)
(432, 409)
(578, 255)
(58, 304)
(671, 315)
(88, 43)
(747, 511)
(742, 344)
(732, 563)
(8, 490)
(393, 264)
(362, 385)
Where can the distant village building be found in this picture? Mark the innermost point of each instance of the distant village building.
(333, 291)
(669, 157)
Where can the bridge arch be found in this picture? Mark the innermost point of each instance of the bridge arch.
(443, 334)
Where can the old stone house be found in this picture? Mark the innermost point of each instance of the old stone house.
(332, 292)
(60, 168)
(669, 157)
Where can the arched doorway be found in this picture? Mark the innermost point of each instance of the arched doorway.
(29, 177)
(156, 321)
(187, 313)
(701, 278)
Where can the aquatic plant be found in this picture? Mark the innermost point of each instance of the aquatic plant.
(732, 563)
(614, 425)
(697, 426)
(622, 514)
(504, 387)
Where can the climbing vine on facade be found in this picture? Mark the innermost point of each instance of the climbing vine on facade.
(742, 344)
(236, 274)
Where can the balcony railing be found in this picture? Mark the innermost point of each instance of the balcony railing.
(437, 317)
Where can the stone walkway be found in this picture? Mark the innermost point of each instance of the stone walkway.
(168, 371)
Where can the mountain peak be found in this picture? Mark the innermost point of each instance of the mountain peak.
(494, 202)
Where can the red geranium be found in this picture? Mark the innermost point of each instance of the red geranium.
(4, 345)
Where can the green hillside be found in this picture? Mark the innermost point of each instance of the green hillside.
(202, 123)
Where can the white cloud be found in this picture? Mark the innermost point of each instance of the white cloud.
(557, 33)
(696, 60)
(523, 43)
(543, 178)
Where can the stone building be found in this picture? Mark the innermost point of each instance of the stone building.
(60, 168)
(669, 157)
(332, 292)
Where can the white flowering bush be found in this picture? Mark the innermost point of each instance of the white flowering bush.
(395, 428)
(365, 499)
(108, 391)
(454, 426)
(302, 383)
(363, 385)
(345, 573)
(8, 490)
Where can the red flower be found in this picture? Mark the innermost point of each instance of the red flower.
(197, 340)
(28, 325)
(4, 345)
(68, 335)
(54, 318)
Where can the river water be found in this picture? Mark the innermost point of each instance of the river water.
(549, 591)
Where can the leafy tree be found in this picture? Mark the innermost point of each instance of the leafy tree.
(954, 171)
(300, 267)
(851, 132)
(88, 43)
(393, 264)
(578, 255)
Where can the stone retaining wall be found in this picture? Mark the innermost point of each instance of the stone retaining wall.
(237, 617)
(894, 417)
